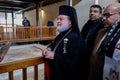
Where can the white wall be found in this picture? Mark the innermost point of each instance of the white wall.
(104, 3)
(82, 9)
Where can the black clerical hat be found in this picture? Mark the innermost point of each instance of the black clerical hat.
(65, 10)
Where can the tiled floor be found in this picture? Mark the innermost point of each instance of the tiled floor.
(22, 52)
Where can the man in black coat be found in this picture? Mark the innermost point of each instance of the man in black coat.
(66, 57)
(26, 23)
(92, 26)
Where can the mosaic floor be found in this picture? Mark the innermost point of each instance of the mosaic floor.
(22, 52)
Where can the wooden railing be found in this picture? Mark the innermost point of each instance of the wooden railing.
(14, 34)
(10, 67)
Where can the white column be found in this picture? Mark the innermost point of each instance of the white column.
(96, 1)
(70, 2)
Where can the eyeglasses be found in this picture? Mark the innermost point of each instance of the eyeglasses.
(107, 15)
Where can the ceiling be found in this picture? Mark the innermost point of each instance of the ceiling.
(22, 5)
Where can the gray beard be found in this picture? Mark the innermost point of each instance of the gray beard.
(61, 29)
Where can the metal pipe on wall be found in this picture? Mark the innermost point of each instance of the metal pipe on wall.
(6, 19)
(37, 14)
(69, 2)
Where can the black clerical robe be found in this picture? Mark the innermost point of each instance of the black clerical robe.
(70, 65)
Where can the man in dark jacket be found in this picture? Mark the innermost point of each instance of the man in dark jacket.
(93, 25)
(91, 28)
(26, 23)
(66, 57)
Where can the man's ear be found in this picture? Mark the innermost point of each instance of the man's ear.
(70, 23)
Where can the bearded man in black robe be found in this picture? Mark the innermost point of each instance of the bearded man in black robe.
(66, 57)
